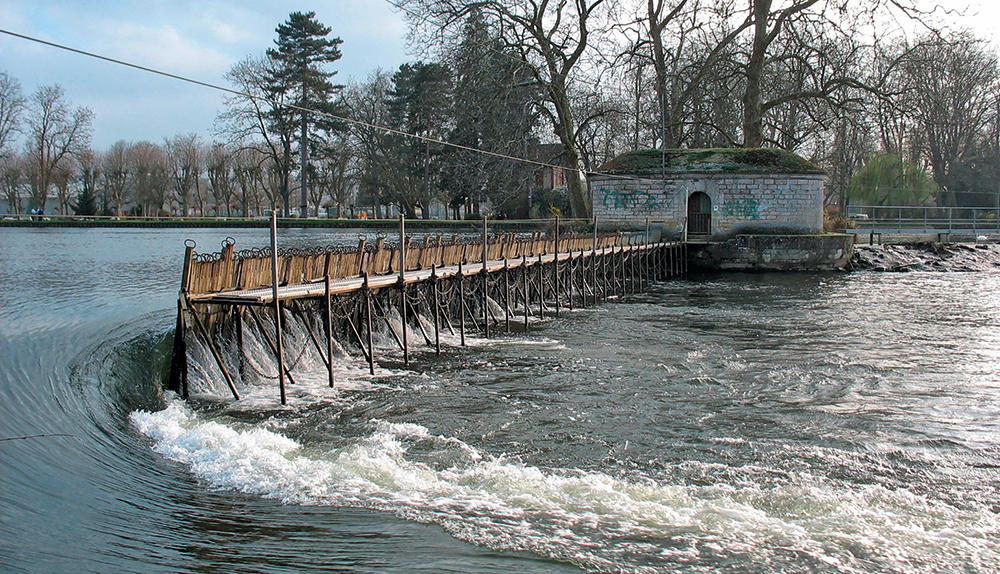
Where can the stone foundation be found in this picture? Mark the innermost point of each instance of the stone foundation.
(826, 252)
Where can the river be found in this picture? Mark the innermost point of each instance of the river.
(723, 423)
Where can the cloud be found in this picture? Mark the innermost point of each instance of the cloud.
(163, 48)
(200, 39)
(228, 33)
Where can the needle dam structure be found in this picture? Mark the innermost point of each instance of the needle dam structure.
(410, 291)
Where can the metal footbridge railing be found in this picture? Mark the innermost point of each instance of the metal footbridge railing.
(944, 221)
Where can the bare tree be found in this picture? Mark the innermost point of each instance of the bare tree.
(248, 121)
(333, 176)
(11, 109)
(684, 42)
(114, 177)
(185, 158)
(552, 38)
(822, 35)
(12, 181)
(56, 132)
(62, 177)
(149, 176)
(955, 85)
(88, 174)
(602, 128)
(221, 176)
(369, 143)
(247, 187)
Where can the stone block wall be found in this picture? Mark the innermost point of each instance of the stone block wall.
(825, 252)
(741, 203)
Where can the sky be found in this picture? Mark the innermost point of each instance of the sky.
(202, 39)
(199, 39)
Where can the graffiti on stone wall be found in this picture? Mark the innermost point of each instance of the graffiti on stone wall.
(634, 199)
(742, 209)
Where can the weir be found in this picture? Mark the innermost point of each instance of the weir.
(343, 294)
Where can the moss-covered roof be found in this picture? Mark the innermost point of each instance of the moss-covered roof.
(725, 160)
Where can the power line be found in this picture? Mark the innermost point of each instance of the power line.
(298, 108)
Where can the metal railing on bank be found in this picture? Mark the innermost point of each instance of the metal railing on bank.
(923, 219)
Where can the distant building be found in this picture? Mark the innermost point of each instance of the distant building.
(552, 175)
(712, 193)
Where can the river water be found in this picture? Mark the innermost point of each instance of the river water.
(722, 423)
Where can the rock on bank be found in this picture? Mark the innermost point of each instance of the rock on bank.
(946, 257)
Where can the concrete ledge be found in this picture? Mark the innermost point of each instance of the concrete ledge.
(826, 252)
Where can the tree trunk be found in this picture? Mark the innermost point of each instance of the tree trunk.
(566, 131)
(303, 162)
(753, 114)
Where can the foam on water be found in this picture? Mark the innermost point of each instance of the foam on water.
(592, 519)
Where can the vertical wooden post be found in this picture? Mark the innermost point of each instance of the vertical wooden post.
(555, 267)
(368, 320)
(541, 287)
(189, 246)
(329, 328)
(669, 265)
(402, 286)
(361, 256)
(677, 264)
(486, 281)
(612, 274)
(524, 284)
(673, 260)
(277, 306)
(602, 274)
(569, 283)
(238, 326)
(178, 362)
(437, 307)
(631, 269)
(644, 262)
(461, 299)
(506, 289)
(623, 268)
(595, 233)
(647, 265)
(593, 277)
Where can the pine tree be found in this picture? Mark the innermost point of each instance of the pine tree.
(302, 49)
(86, 201)
(418, 104)
(494, 109)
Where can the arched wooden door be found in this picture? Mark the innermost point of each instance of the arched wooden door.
(699, 213)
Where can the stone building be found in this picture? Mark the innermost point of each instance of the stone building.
(712, 193)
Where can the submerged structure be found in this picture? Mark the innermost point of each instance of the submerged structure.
(745, 208)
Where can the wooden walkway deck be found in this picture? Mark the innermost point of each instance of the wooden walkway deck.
(265, 296)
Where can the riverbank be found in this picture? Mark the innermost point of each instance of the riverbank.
(927, 256)
(256, 223)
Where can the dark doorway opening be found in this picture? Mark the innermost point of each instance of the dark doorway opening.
(699, 213)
